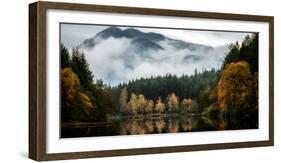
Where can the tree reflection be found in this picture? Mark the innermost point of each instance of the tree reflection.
(156, 125)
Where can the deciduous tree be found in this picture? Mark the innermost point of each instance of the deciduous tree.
(141, 103)
(235, 87)
(149, 106)
(173, 102)
(133, 104)
(160, 106)
(186, 103)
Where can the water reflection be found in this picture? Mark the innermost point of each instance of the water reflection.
(156, 125)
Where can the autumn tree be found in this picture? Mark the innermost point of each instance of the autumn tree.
(75, 104)
(183, 86)
(255, 97)
(194, 106)
(70, 86)
(86, 103)
(160, 125)
(172, 102)
(160, 106)
(141, 102)
(149, 106)
(91, 100)
(185, 103)
(133, 104)
(235, 87)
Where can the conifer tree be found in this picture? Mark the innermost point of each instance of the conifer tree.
(81, 67)
(65, 57)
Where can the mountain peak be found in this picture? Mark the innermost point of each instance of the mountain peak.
(141, 40)
(111, 31)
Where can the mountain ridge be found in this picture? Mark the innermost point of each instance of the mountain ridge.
(145, 40)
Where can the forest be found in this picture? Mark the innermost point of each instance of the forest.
(231, 91)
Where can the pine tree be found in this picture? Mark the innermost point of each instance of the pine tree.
(65, 57)
(81, 67)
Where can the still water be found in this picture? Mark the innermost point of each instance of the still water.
(157, 125)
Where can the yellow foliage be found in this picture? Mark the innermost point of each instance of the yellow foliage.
(160, 125)
(235, 85)
(141, 102)
(86, 101)
(70, 84)
(132, 105)
(149, 106)
(173, 102)
(186, 102)
(71, 90)
(160, 106)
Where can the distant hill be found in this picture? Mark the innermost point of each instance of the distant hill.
(133, 53)
(141, 40)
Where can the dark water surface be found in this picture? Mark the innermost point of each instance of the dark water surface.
(156, 125)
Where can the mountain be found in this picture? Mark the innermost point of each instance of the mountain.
(141, 40)
(119, 55)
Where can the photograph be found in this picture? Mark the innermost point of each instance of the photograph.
(118, 80)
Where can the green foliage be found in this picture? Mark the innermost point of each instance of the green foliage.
(248, 51)
(233, 54)
(81, 67)
(233, 90)
(103, 104)
(173, 89)
(82, 99)
(184, 86)
(65, 57)
(238, 85)
(211, 111)
(207, 97)
(75, 104)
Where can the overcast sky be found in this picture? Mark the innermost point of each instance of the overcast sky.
(127, 64)
(74, 34)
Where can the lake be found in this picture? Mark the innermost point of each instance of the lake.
(156, 125)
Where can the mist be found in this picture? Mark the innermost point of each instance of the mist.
(117, 61)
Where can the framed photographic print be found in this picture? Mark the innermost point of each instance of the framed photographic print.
(111, 81)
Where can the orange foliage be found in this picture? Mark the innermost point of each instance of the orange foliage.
(71, 90)
(235, 85)
(173, 102)
(186, 102)
(70, 84)
(160, 106)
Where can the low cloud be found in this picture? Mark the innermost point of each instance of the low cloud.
(117, 60)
